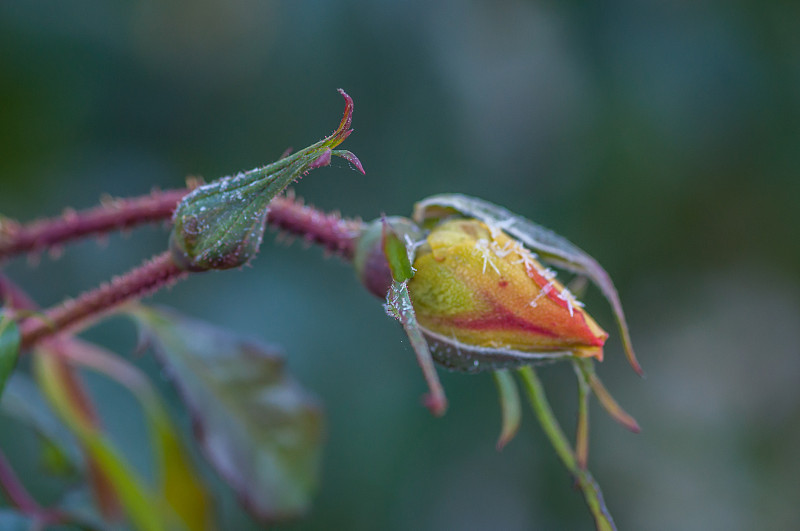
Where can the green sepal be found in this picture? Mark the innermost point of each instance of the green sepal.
(384, 253)
(397, 255)
(509, 406)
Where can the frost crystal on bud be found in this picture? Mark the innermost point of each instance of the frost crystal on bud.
(476, 289)
(552, 249)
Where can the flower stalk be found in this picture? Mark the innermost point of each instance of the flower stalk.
(110, 215)
(585, 482)
(153, 275)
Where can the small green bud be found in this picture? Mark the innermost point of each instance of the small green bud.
(220, 225)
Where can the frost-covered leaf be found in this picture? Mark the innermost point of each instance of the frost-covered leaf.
(551, 247)
(9, 348)
(257, 426)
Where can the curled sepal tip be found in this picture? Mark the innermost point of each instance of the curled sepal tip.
(509, 406)
(604, 397)
(220, 225)
(351, 158)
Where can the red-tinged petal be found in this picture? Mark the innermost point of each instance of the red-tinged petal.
(553, 248)
(478, 286)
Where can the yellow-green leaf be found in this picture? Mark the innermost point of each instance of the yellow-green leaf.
(140, 505)
(180, 486)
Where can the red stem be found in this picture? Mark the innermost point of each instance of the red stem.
(140, 282)
(287, 213)
(115, 214)
(327, 229)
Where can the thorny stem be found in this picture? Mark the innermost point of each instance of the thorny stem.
(328, 229)
(591, 490)
(154, 274)
(112, 214)
(287, 213)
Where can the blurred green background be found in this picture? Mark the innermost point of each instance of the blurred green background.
(663, 137)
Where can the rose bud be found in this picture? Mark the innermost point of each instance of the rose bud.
(464, 280)
(484, 301)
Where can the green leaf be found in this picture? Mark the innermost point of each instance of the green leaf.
(220, 225)
(9, 348)
(257, 426)
(551, 247)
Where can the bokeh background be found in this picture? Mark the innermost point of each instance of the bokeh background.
(663, 137)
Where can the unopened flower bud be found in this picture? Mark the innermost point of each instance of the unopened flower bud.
(220, 225)
(484, 301)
